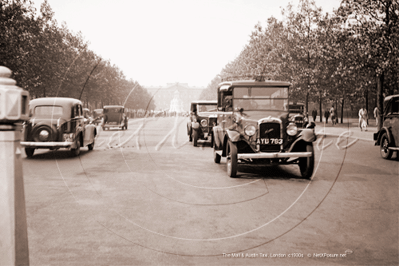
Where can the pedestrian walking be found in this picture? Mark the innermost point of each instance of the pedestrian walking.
(364, 120)
(360, 117)
(376, 115)
(326, 115)
(314, 114)
(332, 114)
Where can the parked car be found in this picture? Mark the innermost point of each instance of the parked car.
(114, 116)
(97, 116)
(56, 123)
(388, 136)
(202, 119)
(254, 127)
(297, 114)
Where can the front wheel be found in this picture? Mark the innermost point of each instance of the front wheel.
(195, 138)
(29, 152)
(384, 144)
(232, 160)
(306, 164)
(91, 146)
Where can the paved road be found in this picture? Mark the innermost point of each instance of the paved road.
(147, 196)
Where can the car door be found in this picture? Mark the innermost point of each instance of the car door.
(392, 120)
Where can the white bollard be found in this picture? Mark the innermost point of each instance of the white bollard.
(13, 226)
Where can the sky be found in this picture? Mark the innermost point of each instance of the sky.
(156, 42)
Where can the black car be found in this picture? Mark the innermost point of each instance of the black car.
(388, 136)
(254, 127)
(202, 119)
(56, 123)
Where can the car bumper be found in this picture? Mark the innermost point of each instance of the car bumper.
(112, 125)
(47, 145)
(271, 155)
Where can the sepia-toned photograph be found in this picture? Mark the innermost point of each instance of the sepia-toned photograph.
(188, 132)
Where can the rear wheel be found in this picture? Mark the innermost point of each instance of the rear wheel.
(384, 144)
(306, 164)
(29, 152)
(195, 138)
(232, 160)
(76, 151)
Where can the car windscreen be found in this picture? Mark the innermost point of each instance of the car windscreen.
(260, 98)
(113, 110)
(48, 111)
(206, 107)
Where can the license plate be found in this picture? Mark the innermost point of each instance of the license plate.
(269, 141)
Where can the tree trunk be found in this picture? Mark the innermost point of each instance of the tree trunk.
(321, 110)
(367, 103)
(380, 98)
(342, 110)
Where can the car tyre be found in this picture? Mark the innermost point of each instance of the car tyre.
(232, 160)
(76, 152)
(195, 138)
(91, 145)
(29, 152)
(384, 144)
(306, 165)
(216, 156)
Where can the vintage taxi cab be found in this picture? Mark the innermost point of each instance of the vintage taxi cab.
(297, 114)
(253, 127)
(202, 119)
(388, 136)
(114, 116)
(56, 123)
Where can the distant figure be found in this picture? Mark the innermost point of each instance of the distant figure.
(332, 114)
(364, 119)
(360, 117)
(326, 115)
(376, 115)
(314, 114)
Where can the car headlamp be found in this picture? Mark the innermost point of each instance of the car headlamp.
(44, 135)
(250, 130)
(292, 129)
(204, 123)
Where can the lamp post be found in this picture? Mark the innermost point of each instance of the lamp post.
(13, 226)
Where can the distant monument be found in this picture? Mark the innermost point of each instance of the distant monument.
(176, 104)
(164, 95)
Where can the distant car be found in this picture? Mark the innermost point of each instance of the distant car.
(254, 127)
(56, 123)
(388, 136)
(114, 116)
(297, 114)
(97, 116)
(202, 119)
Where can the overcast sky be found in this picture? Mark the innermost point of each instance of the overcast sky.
(156, 42)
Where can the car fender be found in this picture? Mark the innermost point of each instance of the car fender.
(218, 137)
(234, 136)
(307, 136)
(195, 125)
(381, 132)
(89, 134)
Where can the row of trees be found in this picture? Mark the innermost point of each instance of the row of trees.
(344, 58)
(49, 60)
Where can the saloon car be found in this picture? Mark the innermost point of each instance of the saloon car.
(254, 127)
(297, 114)
(56, 123)
(388, 136)
(114, 116)
(202, 119)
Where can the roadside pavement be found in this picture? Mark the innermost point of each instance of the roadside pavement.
(350, 125)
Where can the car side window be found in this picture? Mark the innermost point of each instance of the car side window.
(395, 106)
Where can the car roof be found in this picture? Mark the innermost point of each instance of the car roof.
(205, 101)
(54, 101)
(253, 83)
(390, 97)
(113, 106)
